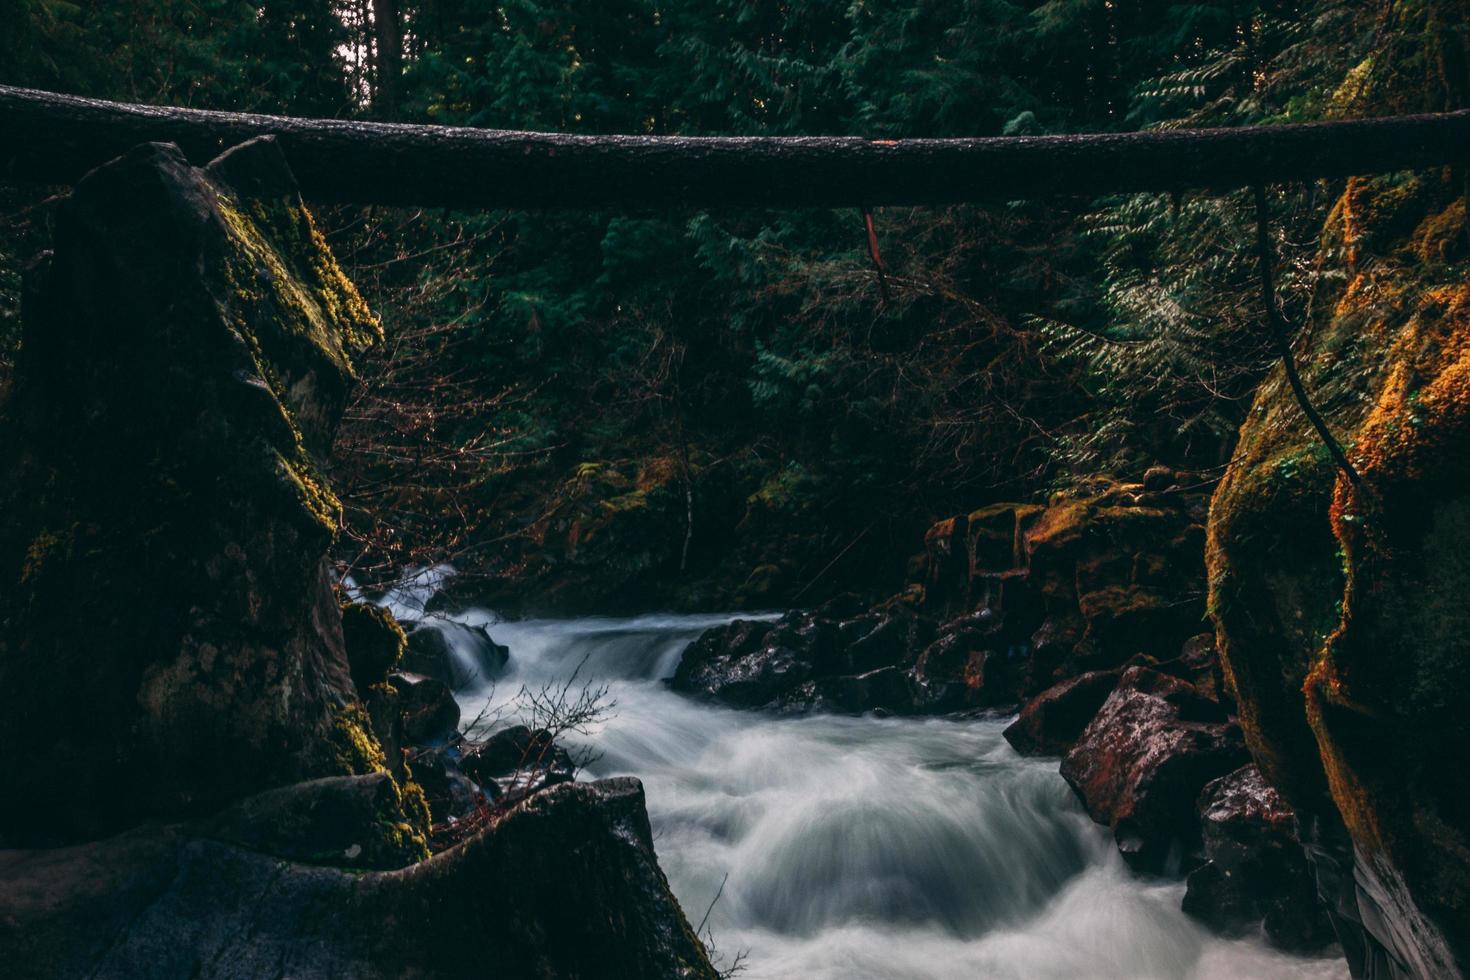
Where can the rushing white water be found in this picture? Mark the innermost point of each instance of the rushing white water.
(867, 849)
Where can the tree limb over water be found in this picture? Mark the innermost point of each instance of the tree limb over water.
(54, 139)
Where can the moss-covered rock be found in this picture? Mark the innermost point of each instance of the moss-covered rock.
(374, 640)
(1340, 610)
(187, 353)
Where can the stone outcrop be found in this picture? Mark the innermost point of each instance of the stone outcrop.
(187, 352)
(1255, 873)
(564, 886)
(239, 799)
(1340, 607)
(1141, 763)
(1011, 599)
(1051, 722)
(458, 655)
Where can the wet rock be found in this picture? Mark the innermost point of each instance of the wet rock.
(1256, 871)
(1051, 722)
(1141, 763)
(516, 758)
(565, 884)
(973, 663)
(384, 706)
(806, 660)
(458, 655)
(430, 713)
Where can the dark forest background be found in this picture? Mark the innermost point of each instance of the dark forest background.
(739, 407)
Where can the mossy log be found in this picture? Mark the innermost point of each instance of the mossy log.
(54, 139)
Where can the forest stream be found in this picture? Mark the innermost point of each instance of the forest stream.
(859, 848)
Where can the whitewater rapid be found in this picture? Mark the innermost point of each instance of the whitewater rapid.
(863, 848)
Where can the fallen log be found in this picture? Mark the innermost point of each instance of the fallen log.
(54, 139)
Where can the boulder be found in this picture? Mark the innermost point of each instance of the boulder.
(164, 528)
(430, 713)
(1141, 763)
(458, 655)
(517, 761)
(1256, 872)
(1339, 605)
(187, 352)
(563, 885)
(1051, 722)
(806, 660)
(374, 642)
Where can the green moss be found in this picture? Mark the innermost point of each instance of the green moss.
(375, 643)
(357, 749)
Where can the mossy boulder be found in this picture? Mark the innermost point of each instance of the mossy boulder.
(187, 353)
(1340, 609)
(374, 640)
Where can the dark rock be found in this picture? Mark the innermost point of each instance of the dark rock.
(430, 713)
(384, 706)
(1141, 763)
(805, 661)
(1051, 722)
(1158, 478)
(374, 642)
(1255, 870)
(460, 656)
(186, 356)
(450, 792)
(564, 885)
(889, 690)
(345, 821)
(515, 749)
(971, 664)
(1368, 728)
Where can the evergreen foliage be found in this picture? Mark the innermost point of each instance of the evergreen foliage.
(1019, 346)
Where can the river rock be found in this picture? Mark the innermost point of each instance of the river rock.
(563, 885)
(164, 527)
(1051, 722)
(1141, 763)
(1256, 871)
(1085, 582)
(430, 713)
(450, 792)
(806, 660)
(458, 655)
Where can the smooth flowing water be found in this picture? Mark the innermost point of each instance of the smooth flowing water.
(866, 849)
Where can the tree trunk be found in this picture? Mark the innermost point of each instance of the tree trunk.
(54, 139)
(388, 42)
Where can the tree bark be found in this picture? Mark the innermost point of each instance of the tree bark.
(388, 42)
(54, 139)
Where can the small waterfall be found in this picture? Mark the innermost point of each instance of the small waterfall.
(861, 848)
